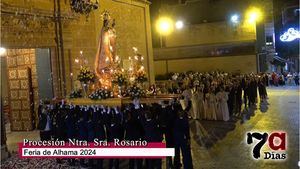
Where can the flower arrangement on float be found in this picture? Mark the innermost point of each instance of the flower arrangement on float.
(101, 94)
(85, 76)
(119, 78)
(140, 76)
(135, 92)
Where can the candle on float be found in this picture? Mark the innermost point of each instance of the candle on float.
(134, 49)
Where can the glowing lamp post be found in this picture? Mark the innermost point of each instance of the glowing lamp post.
(164, 26)
(235, 18)
(253, 15)
(254, 18)
(179, 24)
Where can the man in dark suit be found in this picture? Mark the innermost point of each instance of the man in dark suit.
(152, 134)
(252, 91)
(91, 133)
(182, 139)
(166, 120)
(238, 100)
(133, 131)
(114, 131)
(245, 85)
(100, 134)
(45, 122)
(231, 98)
(82, 130)
(71, 128)
(58, 115)
(296, 79)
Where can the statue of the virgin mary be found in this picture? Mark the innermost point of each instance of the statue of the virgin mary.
(104, 62)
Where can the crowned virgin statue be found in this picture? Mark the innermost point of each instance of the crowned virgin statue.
(106, 53)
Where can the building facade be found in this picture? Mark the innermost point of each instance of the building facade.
(209, 39)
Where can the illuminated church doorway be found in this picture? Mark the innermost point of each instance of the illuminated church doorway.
(28, 79)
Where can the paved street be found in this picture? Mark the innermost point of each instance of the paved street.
(223, 144)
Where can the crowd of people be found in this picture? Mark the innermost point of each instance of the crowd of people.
(218, 96)
(286, 78)
(152, 123)
(205, 96)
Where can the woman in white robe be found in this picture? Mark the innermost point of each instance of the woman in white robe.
(211, 104)
(195, 104)
(187, 94)
(222, 105)
(206, 106)
(201, 102)
(219, 105)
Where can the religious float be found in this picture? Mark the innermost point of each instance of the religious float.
(109, 83)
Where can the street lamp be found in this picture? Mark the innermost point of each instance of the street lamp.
(179, 24)
(253, 15)
(235, 18)
(164, 25)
